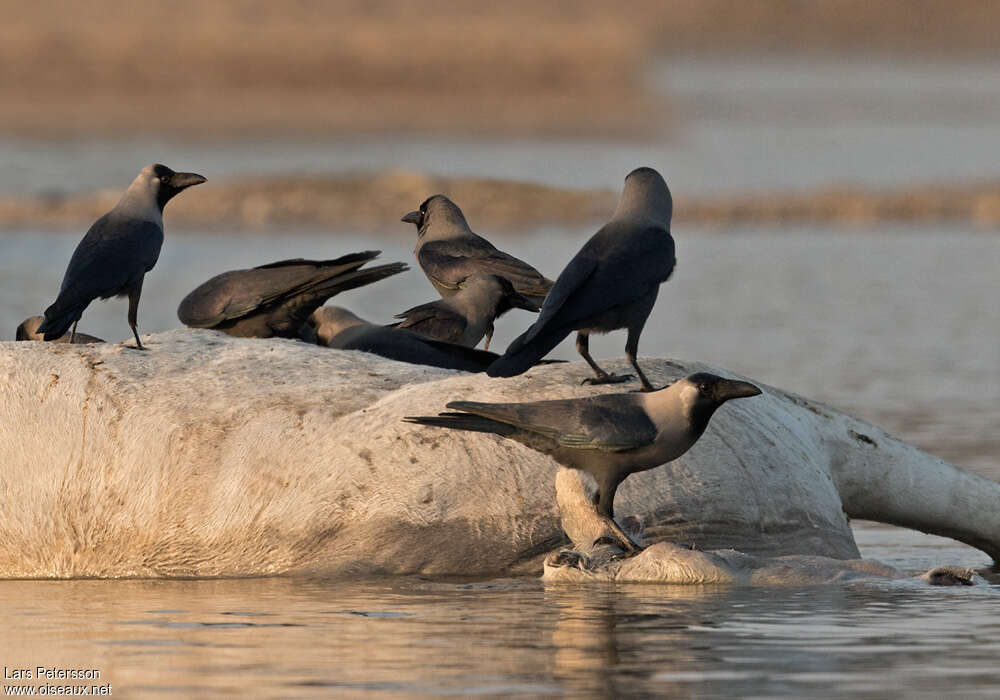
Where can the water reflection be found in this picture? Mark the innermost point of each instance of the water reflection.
(705, 642)
(279, 637)
(598, 629)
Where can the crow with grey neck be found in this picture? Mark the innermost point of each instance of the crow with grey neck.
(275, 300)
(611, 283)
(28, 330)
(449, 253)
(468, 315)
(337, 327)
(608, 436)
(117, 252)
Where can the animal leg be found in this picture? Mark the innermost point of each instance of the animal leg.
(606, 510)
(583, 347)
(631, 350)
(72, 333)
(133, 308)
(631, 546)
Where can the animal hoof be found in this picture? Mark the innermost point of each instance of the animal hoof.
(950, 576)
(570, 558)
(608, 379)
(627, 554)
(625, 551)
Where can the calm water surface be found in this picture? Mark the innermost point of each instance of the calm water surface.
(412, 637)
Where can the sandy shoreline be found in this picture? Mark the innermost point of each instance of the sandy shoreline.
(370, 202)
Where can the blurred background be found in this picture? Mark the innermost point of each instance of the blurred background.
(834, 165)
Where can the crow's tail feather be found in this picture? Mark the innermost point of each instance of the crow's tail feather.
(523, 354)
(463, 421)
(58, 319)
(355, 278)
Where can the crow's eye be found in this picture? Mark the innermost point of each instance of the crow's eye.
(165, 179)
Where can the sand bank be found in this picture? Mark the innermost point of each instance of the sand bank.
(376, 202)
(243, 66)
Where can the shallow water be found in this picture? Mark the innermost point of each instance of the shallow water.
(412, 637)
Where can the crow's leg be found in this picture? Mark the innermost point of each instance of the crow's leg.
(133, 309)
(606, 509)
(631, 350)
(583, 347)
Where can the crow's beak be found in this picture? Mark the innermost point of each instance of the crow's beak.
(519, 301)
(415, 218)
(732, 389)
(180, 181)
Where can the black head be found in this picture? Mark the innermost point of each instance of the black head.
(439, 211)
(703, 393)
(646, 193)
(28, 330)
(513, 299)
(645, 172)
(417, 217)
(719, 389)
(170, 183)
